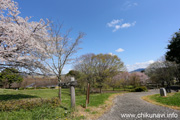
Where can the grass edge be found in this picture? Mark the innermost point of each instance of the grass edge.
(101, 108)
(148, 99)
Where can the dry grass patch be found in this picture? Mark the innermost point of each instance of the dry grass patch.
(91, 113)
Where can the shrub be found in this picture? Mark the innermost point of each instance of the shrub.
(29, 88)
(9, 76)
(27, 104)
(129, 87)
(21, 88)
(42, 88)
(140, 89)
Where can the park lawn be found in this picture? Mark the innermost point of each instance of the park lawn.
(94, 111)
(46, 111)
(171, 100)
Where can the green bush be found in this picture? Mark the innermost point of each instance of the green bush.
(29, 88)
(129, 87)
(21, 88)
(140, 89)
(42, 88)
(27, 104)
(9, 76)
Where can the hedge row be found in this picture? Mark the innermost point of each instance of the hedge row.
(27, 104)
(140, 89)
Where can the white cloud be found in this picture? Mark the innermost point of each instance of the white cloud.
(125, 25)
(117, 26)
(114, 22)
(119, 50)
(118, 23)
(111, 54)
(128, 4)
(139, 65)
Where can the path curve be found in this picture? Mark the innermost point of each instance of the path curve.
(135, 108)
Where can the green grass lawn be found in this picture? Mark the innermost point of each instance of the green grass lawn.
(46, 111)
(172, 99)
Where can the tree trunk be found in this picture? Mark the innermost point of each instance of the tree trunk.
(59, 94)
(9, 85)
(124, 87)
(88, 92)
(168, 87)
(162, 83)
(35, 84)
(100, 89)
(84, 89)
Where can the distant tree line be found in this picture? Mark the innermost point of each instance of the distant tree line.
(166, 71)
(104, 71)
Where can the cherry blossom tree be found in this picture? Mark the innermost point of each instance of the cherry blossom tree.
(124, 78)
(60, 50)
(143, 78)
(21, 41)
(121, 79)
(33, 46)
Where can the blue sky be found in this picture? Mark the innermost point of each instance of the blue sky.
(140, 28)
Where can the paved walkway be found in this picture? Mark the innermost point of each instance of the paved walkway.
(130, 106)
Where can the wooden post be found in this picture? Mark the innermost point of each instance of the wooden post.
(73, 101)
(87, 94)
(86, 104)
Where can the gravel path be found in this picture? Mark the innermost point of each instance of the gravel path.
(134, 108)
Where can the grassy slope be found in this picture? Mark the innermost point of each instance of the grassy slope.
(47, 112)
(171, 100)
